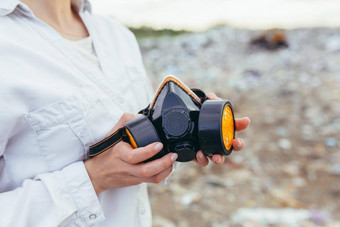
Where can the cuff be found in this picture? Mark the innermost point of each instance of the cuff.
(83, 194)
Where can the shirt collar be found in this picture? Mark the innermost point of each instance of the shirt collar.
(81, 5)
(8, 6)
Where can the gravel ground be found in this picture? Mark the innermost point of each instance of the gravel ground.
(292, 153)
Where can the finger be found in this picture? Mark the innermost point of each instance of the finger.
(213, 96)
(238, 144)
(134, 156)
(201, 159)
(133, 180)
(149, 169)
(218, 159)
(158, 178)
(241, 123)
(130, 180)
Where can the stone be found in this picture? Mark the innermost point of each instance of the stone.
(285, 144)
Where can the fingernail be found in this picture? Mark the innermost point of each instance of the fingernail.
(174, 157)
(200, 155)
(239, 144)
(219, 161)
(158, 146)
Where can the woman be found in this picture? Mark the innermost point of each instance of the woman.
(67, 77)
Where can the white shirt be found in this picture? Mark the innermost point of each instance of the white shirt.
(54, 105)
(85, 48)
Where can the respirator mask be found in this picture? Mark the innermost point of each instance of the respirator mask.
(184, 120)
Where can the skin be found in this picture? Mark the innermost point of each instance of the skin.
(59, 15)
(121, 166)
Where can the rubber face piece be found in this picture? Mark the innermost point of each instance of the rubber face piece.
(174, 113)
(213, 130)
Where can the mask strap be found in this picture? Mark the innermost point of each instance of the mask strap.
(200, 94)
(145, 111)
(108, 142)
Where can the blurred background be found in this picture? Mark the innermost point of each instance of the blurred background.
(278, 62)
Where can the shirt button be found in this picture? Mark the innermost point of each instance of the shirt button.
(142, 212)
(93, 216)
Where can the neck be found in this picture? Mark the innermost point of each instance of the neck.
(59, 15)
(55, 11)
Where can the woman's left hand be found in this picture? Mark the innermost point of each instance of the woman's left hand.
(240, 124)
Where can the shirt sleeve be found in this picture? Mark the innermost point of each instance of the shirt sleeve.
(62, 198)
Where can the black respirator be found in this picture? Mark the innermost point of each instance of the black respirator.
(184, 120)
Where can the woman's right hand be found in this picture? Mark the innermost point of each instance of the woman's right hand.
(123, 166)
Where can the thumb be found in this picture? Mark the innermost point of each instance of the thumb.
(213, 96)
(126, 117)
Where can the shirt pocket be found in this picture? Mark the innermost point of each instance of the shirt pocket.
(140, 86)
(62, 132)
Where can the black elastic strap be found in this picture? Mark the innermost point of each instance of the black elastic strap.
(107, 143)
(200, 94)
(145, 111)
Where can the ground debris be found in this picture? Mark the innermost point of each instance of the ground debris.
(287, 216)
(292, 150)
(270, 40)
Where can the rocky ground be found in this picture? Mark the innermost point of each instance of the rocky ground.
(289, 171)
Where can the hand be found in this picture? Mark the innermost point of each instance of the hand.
(123, 166)
(240, 124)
